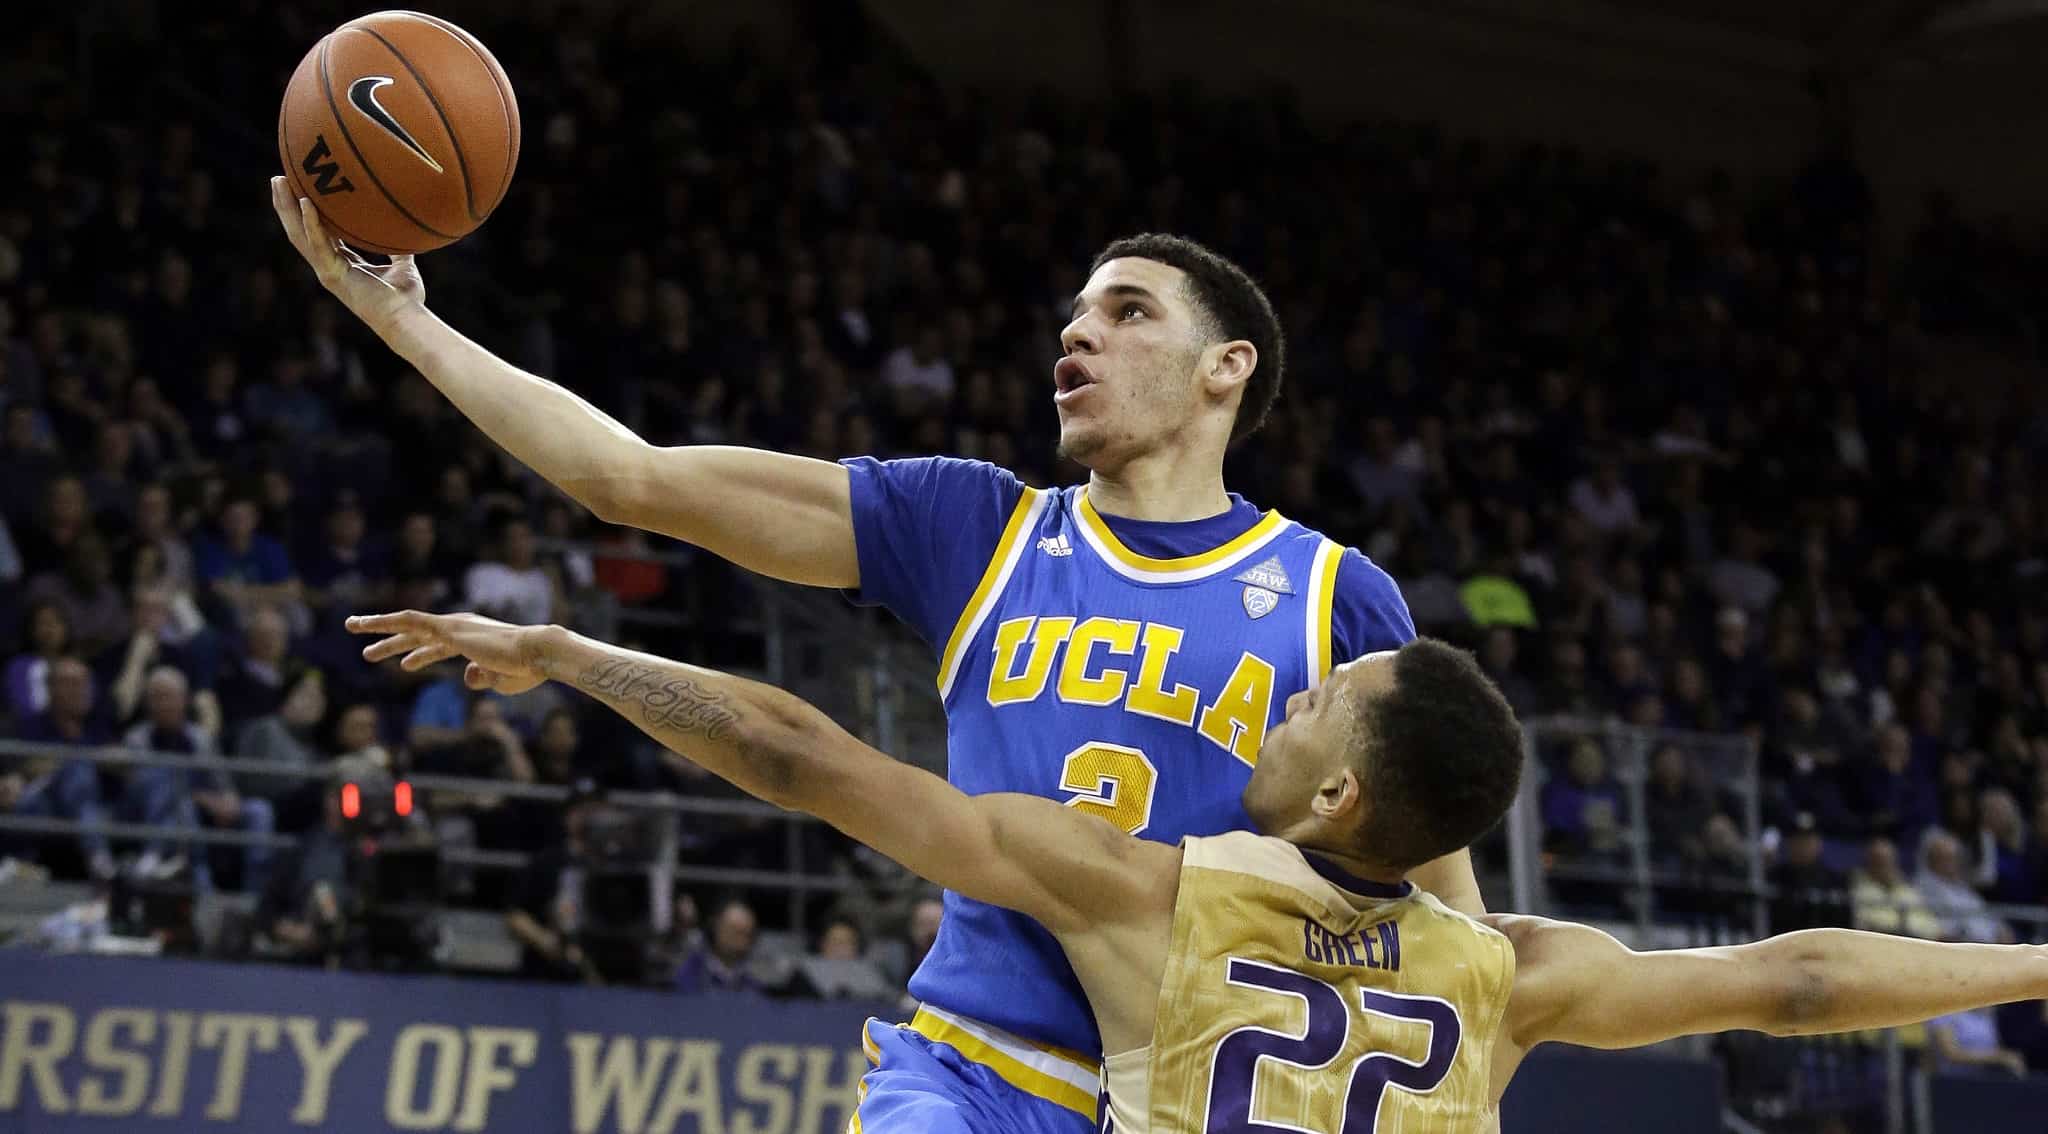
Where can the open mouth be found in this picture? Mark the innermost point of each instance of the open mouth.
(1070, 377)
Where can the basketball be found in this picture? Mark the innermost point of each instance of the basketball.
(402, 130)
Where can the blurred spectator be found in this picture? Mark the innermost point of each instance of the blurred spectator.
(722, 963)
(2037, 851)
(838, 968)
(288, 736)
(840, 941)
(47, 634)
(488, 750)
(1498, 656)
(917, 373)
(56, 787)
(155, 528)
(285, 406)
(12, 566)
(1740, 579)
(1882, 899)
(1945, 887)
(1896, 796)
(27, 463)
(79, 790)
(1568, 689)
(1809, 894)
(546, 915)
(420, 556)
(2003, 873)
(152, 641)
(1679, 807)
(1736, 670)
(1605, 502)
(85, 590)
(48, 541)
(510, 585)
(167, 726)
(254, 682)
(1970, 1039)
(1382, 480)
(357, 733)
(1583, 809)
(345, 570)
(244, 570)
(1808, 761)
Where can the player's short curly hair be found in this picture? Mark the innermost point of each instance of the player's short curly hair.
(1441, 756)
(1233, 306)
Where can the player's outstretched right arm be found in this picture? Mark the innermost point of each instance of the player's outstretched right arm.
(716, 497)
(1575, 984)
(1069, 870)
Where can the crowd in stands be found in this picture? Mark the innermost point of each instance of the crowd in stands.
(1663, 450)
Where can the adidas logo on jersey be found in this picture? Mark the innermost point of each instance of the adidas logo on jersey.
(1056, 545)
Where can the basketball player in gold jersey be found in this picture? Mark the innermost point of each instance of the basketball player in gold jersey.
(1285, 981)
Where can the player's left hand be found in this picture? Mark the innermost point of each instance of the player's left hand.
(502, 657)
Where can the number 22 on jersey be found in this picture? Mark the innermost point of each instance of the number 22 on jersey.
(1237, 1063)
(1234, 1072)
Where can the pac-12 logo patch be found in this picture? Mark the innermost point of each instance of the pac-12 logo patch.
(1264, 583)
(1259, 602)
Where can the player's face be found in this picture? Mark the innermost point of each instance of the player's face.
(1311, 746)
(1127, 380)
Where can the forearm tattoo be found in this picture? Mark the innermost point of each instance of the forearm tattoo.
(664, 701)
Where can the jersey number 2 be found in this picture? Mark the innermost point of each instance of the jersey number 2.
(1234, 1072)
(1111, 781)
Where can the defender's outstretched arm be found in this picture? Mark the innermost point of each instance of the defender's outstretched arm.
(1065, 868)
(1575, 984)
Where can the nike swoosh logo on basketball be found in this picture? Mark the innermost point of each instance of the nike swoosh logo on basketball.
(362, 94)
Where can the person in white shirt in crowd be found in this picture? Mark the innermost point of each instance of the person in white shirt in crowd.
(1607, 503)
(512, 585)
(918, 373)
(1945, 884)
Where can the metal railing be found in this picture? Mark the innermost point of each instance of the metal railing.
(796, 882)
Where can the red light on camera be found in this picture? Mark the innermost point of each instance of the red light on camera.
(351, 801)
(401, 798)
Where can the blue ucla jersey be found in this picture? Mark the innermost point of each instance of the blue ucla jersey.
(1127, 668)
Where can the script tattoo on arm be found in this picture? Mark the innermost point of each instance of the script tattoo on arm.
(760, 739)
(663, 701)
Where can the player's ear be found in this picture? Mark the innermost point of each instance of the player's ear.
(1228, 366)
(1340, 798)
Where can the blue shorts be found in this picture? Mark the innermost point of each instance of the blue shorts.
(941, 1074)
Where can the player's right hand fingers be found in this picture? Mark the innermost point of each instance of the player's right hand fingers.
(392, 647)
(392, 623)
(433, 653)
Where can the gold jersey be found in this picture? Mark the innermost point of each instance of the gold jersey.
(1300, 998)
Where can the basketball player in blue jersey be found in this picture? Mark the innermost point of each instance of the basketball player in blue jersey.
(1122, 647)
(1289, 980)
